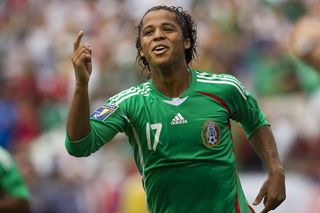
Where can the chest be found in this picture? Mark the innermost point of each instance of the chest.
(184, 125)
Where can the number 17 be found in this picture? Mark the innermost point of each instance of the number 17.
(156, 127)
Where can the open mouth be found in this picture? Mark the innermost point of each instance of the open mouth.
(159, 49)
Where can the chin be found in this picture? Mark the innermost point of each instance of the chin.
(162, 63)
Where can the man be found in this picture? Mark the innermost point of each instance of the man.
(14, 195)
(178, 123)
(304, 46)
(304, 40)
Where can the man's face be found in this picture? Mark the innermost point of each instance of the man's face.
(161, 38)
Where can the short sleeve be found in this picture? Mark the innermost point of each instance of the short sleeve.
(245, 108)
(105, 123)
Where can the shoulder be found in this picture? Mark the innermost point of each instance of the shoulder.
(226, 82)
(133, 92)
(207, 77)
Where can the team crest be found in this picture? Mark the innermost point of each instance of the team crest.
(211, 134)
(103, 112)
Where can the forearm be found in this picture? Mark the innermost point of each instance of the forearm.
(273, 191)
(78, 120)
(264, 145)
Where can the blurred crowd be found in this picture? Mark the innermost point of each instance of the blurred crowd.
(246, 38)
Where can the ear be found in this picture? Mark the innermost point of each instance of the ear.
(141, 53)
(187, 43)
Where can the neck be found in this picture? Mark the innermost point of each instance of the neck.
(171, 82)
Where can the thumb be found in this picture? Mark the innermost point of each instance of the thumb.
(88, 63)
(259, 197)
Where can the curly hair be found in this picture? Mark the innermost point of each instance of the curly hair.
(189, 31)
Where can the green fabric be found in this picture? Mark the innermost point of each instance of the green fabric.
(11, 181)
(182, 146)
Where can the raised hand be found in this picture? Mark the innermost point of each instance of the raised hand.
(82, 61)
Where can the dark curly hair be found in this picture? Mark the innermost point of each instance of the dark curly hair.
(189, 30)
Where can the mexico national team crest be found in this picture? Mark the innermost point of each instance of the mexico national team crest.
(211, 134)
(103, 112)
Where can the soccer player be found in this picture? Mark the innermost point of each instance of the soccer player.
(178, 123)
(14, 195)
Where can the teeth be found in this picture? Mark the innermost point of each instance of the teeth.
(159, 48)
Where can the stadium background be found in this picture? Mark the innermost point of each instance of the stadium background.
(246, 38)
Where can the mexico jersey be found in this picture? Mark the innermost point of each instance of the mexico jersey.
(11, 181)
(182, 146)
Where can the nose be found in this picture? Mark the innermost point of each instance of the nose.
(158, 34)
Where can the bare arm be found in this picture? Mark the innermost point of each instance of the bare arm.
(78, 124)
(273, 190)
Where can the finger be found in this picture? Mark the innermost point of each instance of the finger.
(265, 210)
(265, 200)
(268, 207)
(88, 66)
(81, 50)
(77, 41)
(259, 198)
(271, 204)
(83, 59)
(88, 47)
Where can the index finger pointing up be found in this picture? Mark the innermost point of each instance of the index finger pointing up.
(77, 41)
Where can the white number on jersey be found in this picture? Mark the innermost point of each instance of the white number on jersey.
(156, 127)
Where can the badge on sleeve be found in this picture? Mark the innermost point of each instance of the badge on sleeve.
(103, 112)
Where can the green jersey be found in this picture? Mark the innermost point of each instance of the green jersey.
(11, 181)
(182, 146)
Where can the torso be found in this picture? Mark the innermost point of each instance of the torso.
(184, 142)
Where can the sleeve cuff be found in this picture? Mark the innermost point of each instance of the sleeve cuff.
(79, 148)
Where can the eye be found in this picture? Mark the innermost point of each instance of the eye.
(168, 29)
(147, 32)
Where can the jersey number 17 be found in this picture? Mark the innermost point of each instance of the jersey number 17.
(153, 127)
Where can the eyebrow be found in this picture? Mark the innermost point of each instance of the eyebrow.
(162, 24)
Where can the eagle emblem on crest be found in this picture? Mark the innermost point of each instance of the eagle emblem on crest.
(211, 134)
